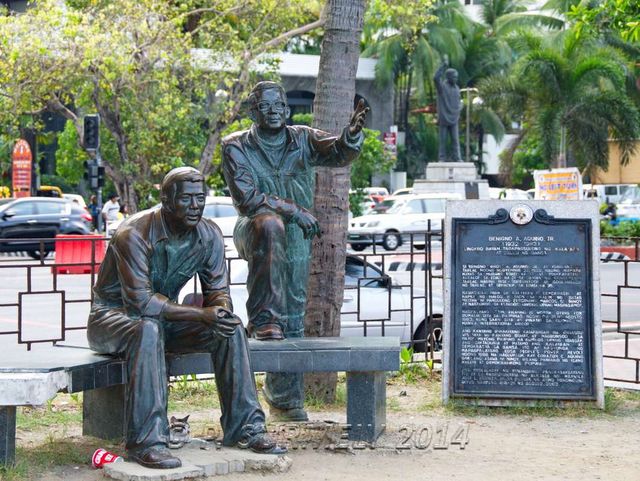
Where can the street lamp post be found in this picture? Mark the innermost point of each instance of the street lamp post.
(467, 144)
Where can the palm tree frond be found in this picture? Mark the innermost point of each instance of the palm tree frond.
(491, 123)
(548, 128)
(514, 21)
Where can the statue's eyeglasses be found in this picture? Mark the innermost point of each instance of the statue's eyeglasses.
(276, 106)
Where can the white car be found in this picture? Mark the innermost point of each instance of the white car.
(508, 194)
(218, 209)
(221, 211)
(366, 306)
(629, 206)
(405, 191)
(78, 199)
(407, 214)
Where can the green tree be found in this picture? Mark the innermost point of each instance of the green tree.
(149, 68)
(621, 16)
(70, 157)
(505, 16)
(571, 91)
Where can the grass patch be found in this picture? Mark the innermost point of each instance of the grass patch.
(31, 462)
(393, 404)
(621, 401)
(312, 403)
(413, 372)
(193, 394)
(63, 410)
(618, 402)
(432, 403)
(539, 408)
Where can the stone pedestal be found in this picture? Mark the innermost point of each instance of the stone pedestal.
(7, 435)
(452, 178)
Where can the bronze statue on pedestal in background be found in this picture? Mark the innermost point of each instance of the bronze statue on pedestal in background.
(449, 107)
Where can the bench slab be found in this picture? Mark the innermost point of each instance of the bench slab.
(32, 378)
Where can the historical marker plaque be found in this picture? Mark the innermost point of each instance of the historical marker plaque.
(522, 306)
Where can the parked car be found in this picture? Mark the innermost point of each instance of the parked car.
(384, 205)
(39, 218)
(405, 191)
(221, 211)
(408, 214)
(507, 194)
(629, 206)
(78, 199)
(367, 289)
(218, 209)
(613, 193)
(49, 191)
(376, 193)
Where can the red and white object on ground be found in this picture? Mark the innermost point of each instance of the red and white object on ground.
(102, 457)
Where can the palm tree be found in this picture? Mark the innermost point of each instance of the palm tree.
(571, 92)
(333, 103)
(505, 16)
(408, 51)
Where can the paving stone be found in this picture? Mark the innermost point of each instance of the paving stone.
(129, 471)
(202, 459)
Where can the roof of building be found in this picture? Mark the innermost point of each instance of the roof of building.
(298, 65)
(290, 64)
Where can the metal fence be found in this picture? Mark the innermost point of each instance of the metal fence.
(620, 296)
(397, 293)
(45, 297)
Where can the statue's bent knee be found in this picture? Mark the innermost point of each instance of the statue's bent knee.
(269, 226)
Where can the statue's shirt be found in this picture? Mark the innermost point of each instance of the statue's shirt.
(273, 180)
(279, 180)
(448, 101)
(143, 268)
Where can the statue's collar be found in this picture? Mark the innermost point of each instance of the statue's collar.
(159, 231)
(292, 141)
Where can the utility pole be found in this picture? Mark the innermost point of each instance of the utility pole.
(467, 141)
(91, 142)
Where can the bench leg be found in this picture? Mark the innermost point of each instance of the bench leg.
(366, 405)
(7, 435)
(103, 412)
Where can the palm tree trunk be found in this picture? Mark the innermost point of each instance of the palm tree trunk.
(335, 92)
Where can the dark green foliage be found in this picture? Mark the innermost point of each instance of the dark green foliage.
(572, 94)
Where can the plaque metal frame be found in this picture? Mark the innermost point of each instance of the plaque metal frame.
(540, 218)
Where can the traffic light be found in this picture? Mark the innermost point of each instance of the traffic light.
(91, 132)
(91, 173)
(100, 176)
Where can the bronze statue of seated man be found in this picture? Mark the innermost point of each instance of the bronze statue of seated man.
(135, 314)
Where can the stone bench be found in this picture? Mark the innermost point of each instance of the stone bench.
(32, 378)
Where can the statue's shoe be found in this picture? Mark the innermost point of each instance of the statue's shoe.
(294, 415)
(261, 443)
(266, 332)
(156, 457)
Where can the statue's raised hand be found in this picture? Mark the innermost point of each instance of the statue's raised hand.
(358, 119)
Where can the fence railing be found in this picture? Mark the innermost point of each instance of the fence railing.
(620, 296)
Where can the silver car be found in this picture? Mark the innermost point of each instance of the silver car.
(374, 304)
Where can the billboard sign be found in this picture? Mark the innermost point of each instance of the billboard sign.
(21, 165)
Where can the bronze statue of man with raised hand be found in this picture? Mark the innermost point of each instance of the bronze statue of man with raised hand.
(270, 173)
(135, 314)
